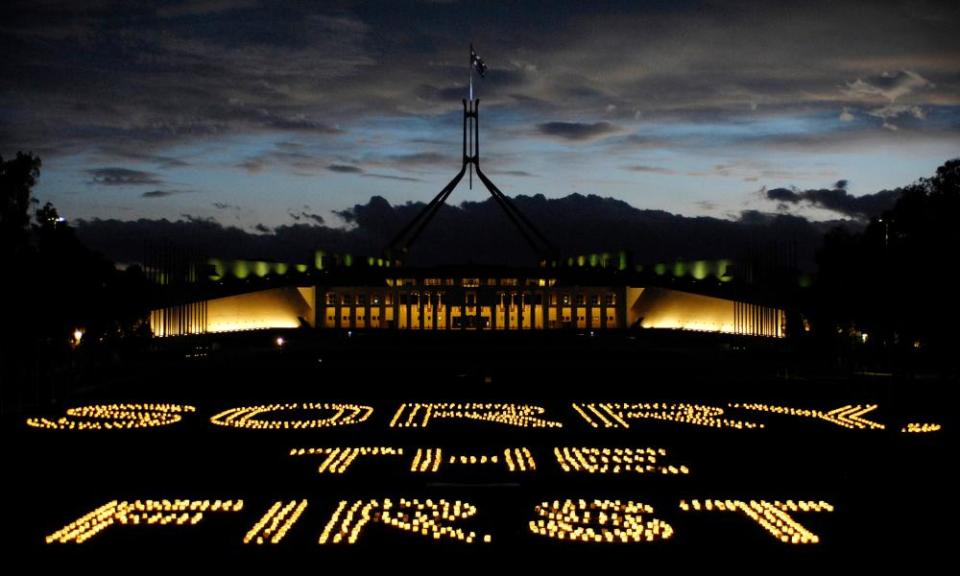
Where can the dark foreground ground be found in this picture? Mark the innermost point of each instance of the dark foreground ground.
(889, 489)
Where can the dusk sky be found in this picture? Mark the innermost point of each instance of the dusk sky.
(265, 112)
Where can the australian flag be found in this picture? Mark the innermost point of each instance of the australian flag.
(477, 62)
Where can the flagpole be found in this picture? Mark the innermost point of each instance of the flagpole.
(469, 124)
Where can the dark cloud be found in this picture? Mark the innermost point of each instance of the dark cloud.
(262, 229)
(160, 193)
(316, 218)
(178, 9)
(836, 199)
(344, 168)
(304, 215)
(225, 206)
(392, 177)
(577, 131)
(252, 165)
(521, 173)
(122, 177)
(474, 232)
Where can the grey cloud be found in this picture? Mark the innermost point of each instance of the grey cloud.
(418, 159)
(344, 168)
(252, 165)
(892, 111)
(889, 86)
(201, 7)
(161, 193)
(151, 83)
(122, 177)
(577, 131)
(837, 199)
(520, 173)
(392, 177)
(304, 215)
(650, 169)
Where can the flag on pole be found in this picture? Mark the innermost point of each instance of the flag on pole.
(477, 62)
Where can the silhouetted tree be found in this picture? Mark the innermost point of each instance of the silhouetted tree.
(894, 281)
(17, 178)
(54, 285)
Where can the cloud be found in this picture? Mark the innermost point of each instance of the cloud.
(225, 206)
(201, 7)
(122, 177)
(891, 111)
(418, 159)
(476, 232)
(304, 215)
(344, 168)
(161, 193)
(650, 169)
(846, 115)
(706, 205)
(392, 177)
(836, 199)
(252, 165)
(262, 229)
(520, 173)
(577, 131)
(889, 86)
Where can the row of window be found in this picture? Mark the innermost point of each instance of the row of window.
(471, 282)
(470, 298)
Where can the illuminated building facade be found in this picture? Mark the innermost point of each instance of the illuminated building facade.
(341, 292)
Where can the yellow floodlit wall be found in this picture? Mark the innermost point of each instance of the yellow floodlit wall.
(673, 309)
(287, 307)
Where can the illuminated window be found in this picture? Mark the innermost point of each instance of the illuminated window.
(565, 299)
(388, 299)
(431, 282)
(508, 281)
(331, 298)
(610, 299)
(375, 299)
(553, 298)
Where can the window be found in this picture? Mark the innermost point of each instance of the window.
(331, 298)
